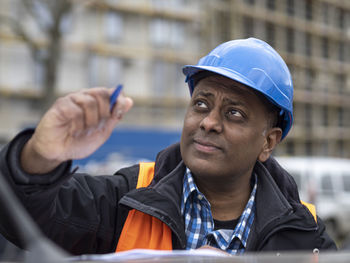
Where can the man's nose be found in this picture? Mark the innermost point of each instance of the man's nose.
(212, 122)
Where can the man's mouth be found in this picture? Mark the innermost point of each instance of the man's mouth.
(203, 145)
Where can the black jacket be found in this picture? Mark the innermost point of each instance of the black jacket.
(85, 214)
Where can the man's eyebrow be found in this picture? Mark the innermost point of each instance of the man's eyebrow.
(204, 93)
(234, 102)
(226, 100)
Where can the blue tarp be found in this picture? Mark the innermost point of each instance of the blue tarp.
(134, 143)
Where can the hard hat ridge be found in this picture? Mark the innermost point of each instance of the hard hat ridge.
(255, 64)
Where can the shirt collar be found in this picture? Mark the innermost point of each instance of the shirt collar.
(242, 228)
(188, 186)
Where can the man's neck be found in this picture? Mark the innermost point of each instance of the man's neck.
(227, 199)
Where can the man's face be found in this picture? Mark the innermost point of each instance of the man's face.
(224, 129)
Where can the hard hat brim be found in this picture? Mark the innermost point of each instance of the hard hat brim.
(190, 70)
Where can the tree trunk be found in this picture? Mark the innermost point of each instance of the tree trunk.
(50, 64)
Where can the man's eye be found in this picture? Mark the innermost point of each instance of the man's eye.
(201, 104)
(234, 113)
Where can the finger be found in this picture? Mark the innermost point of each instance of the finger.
(214, 248)
(69, 114)
(102, 97)
(129, 103)
(89, 105)
(123, 106)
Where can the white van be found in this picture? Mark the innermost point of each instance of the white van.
(325, 182)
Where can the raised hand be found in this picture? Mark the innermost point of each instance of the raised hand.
(73, 128)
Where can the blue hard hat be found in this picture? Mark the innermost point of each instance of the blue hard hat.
(255, 64)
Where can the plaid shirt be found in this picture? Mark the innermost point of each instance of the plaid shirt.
(199, 225)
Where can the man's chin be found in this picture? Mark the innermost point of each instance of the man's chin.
(203, 169)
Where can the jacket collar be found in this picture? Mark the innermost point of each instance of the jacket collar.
(270, 202)
(162, 198)
(276, 207)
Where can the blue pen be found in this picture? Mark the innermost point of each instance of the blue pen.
(113, 98)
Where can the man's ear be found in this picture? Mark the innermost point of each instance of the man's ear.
(272, 138)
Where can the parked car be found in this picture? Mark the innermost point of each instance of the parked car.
(324, 182)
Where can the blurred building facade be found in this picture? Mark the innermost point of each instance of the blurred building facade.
(144, 44)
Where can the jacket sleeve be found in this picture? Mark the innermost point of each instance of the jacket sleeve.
(80, 213)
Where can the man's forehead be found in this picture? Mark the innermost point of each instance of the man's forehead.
(217, 81)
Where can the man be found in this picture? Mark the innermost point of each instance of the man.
(218, 187)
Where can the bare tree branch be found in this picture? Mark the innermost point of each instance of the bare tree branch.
(18, 30)
(59, 10)
(48, 16)
(37, 9)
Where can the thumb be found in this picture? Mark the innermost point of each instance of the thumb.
(123, 105)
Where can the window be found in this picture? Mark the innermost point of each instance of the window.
(177, 38)
(290, 147)
(159, 78)
(308, 49)
(166, 80)
(290, 38)
(340, 80)
(251, 2)
(341, 51)
(165, 76)
(341, 149)
(308, 148)
(39, 74)
(325, 47)
(346, 120)
(43, 14)
(17, 66)
(159, 32)
(270, 34)
(325, 15)
(66, 25)
(290, 7)
(324, 148)
(113, 26)
(327, 185)
(308, 9)
(341, 18)
(223, 25)
(105, 71)
(309, 78)
(340, 117)
(271, 4)
(308, 116)
(159, 4)
(165, 33)
(39, 70)
(325, 120)
(248, 26)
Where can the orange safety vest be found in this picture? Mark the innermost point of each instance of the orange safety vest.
(142, 230)
(145, 231)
